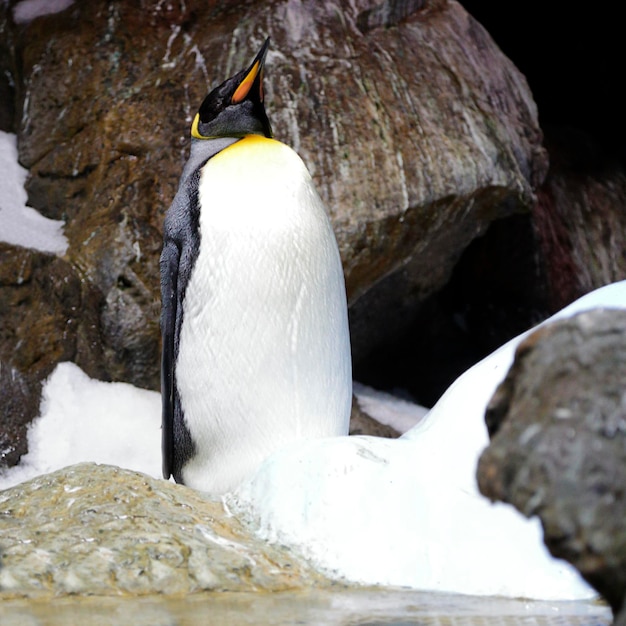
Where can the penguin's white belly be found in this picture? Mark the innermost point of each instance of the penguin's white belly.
(264, 354)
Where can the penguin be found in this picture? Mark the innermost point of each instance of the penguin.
(254, 324)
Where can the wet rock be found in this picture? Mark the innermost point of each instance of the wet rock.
(49, 314)
(7, 72)
(19, 399)
(558, 448)
(99, 530)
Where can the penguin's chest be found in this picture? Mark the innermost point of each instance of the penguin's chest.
(256, 263)
(265, 241)
(264, 308)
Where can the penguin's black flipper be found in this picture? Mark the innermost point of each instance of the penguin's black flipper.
(169, 272)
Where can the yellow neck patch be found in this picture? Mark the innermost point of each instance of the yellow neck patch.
(252, 142)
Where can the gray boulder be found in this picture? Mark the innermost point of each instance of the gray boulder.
(579, 218)
(558, 447)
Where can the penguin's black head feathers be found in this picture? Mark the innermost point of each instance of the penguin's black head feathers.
(235, 108)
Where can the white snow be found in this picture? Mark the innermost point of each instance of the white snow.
(20, 224)
(88, 420)
(407, 512)
(28, 10)
(373, 511)
(402, 512)
(387, 408)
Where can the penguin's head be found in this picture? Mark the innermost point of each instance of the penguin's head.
(235, 108)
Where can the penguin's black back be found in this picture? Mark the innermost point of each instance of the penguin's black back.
(180, 251)
(181, 246)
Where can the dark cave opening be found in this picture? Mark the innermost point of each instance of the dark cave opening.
(572, 60)
(496, 291)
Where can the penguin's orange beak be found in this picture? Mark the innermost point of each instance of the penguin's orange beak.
(254, 76)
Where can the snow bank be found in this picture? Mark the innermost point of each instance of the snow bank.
(83, 419)
(407, 512)
(19, 224)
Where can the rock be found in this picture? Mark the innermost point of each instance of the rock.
(363, 424)
(19, 398)
(558, 447)
(49, 314)
(7, 72)
(387, 13)
(413, 165)
(100, 530)
(579, 217)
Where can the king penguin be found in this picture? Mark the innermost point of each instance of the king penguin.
(256, 349)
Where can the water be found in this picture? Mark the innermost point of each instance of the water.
(361, 607)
